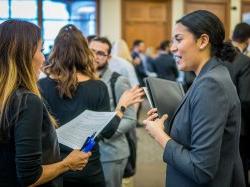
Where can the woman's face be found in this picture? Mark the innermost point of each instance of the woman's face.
(38, 59)
(185, 48)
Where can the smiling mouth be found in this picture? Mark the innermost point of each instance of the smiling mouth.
(177, 58)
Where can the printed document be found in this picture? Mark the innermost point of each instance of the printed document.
(74, 133)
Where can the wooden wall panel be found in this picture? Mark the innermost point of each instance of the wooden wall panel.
(146, 20)
(150, 12)
(151, 33)
(219, 8)
(207, 1)
(245, 6)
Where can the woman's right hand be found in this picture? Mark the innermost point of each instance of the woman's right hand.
(155, 127)
(77, 160)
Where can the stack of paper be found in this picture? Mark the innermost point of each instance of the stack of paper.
(74, 133)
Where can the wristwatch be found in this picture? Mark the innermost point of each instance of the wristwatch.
(122, 109)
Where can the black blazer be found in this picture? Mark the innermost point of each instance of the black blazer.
(205, 130)
(165, 67)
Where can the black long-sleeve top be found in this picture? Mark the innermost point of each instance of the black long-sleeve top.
(91, 95)
(32, 143)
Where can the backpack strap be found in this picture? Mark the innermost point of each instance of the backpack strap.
(113, 80)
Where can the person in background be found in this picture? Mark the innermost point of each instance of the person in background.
(241, 37)
(29, 151)
(90, 38)
(125, 68)
(120, 48)
(240, 73)
(150, 55)
(115, 151)
(42, 74)
(201, 147)
(47, 54)
(164, 63)
(72, 87)
(121, 62)
(139, 60)
(248, 48)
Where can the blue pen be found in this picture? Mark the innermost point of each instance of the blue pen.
(89, 143)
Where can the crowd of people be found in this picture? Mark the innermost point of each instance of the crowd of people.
(207, 141)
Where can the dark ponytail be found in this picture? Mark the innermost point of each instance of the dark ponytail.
(226, 52)
(204, 22)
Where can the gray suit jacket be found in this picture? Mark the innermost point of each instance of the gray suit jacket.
(116, 147)
(205, 130)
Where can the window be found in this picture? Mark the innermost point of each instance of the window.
(4, 9)
(246, 17)
(14, 9)
(26, 9)
(59, 13)
(54, 15)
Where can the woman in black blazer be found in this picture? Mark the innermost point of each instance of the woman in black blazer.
(202, 145)
(29, 150)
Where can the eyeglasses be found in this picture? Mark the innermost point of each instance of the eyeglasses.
(100, 54)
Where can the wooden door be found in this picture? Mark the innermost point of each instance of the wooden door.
(146, 20)
(221, 8)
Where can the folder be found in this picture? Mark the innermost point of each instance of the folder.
(165, 95)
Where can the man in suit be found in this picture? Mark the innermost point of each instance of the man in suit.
(241, 36)
(139, 60)
(114, 151)
(240, 73)
(164, 63)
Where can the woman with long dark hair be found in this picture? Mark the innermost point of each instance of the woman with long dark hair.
(29, 151)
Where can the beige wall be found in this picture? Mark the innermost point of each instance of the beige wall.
(110, 16)
(177, 5)
(235, 15)
(110, 19)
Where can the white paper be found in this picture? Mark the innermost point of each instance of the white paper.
(148, 97)
(74, 133)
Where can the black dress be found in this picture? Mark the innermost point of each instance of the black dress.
(91, 95)
(32, 142)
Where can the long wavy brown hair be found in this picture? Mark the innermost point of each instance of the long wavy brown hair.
(70, 55)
